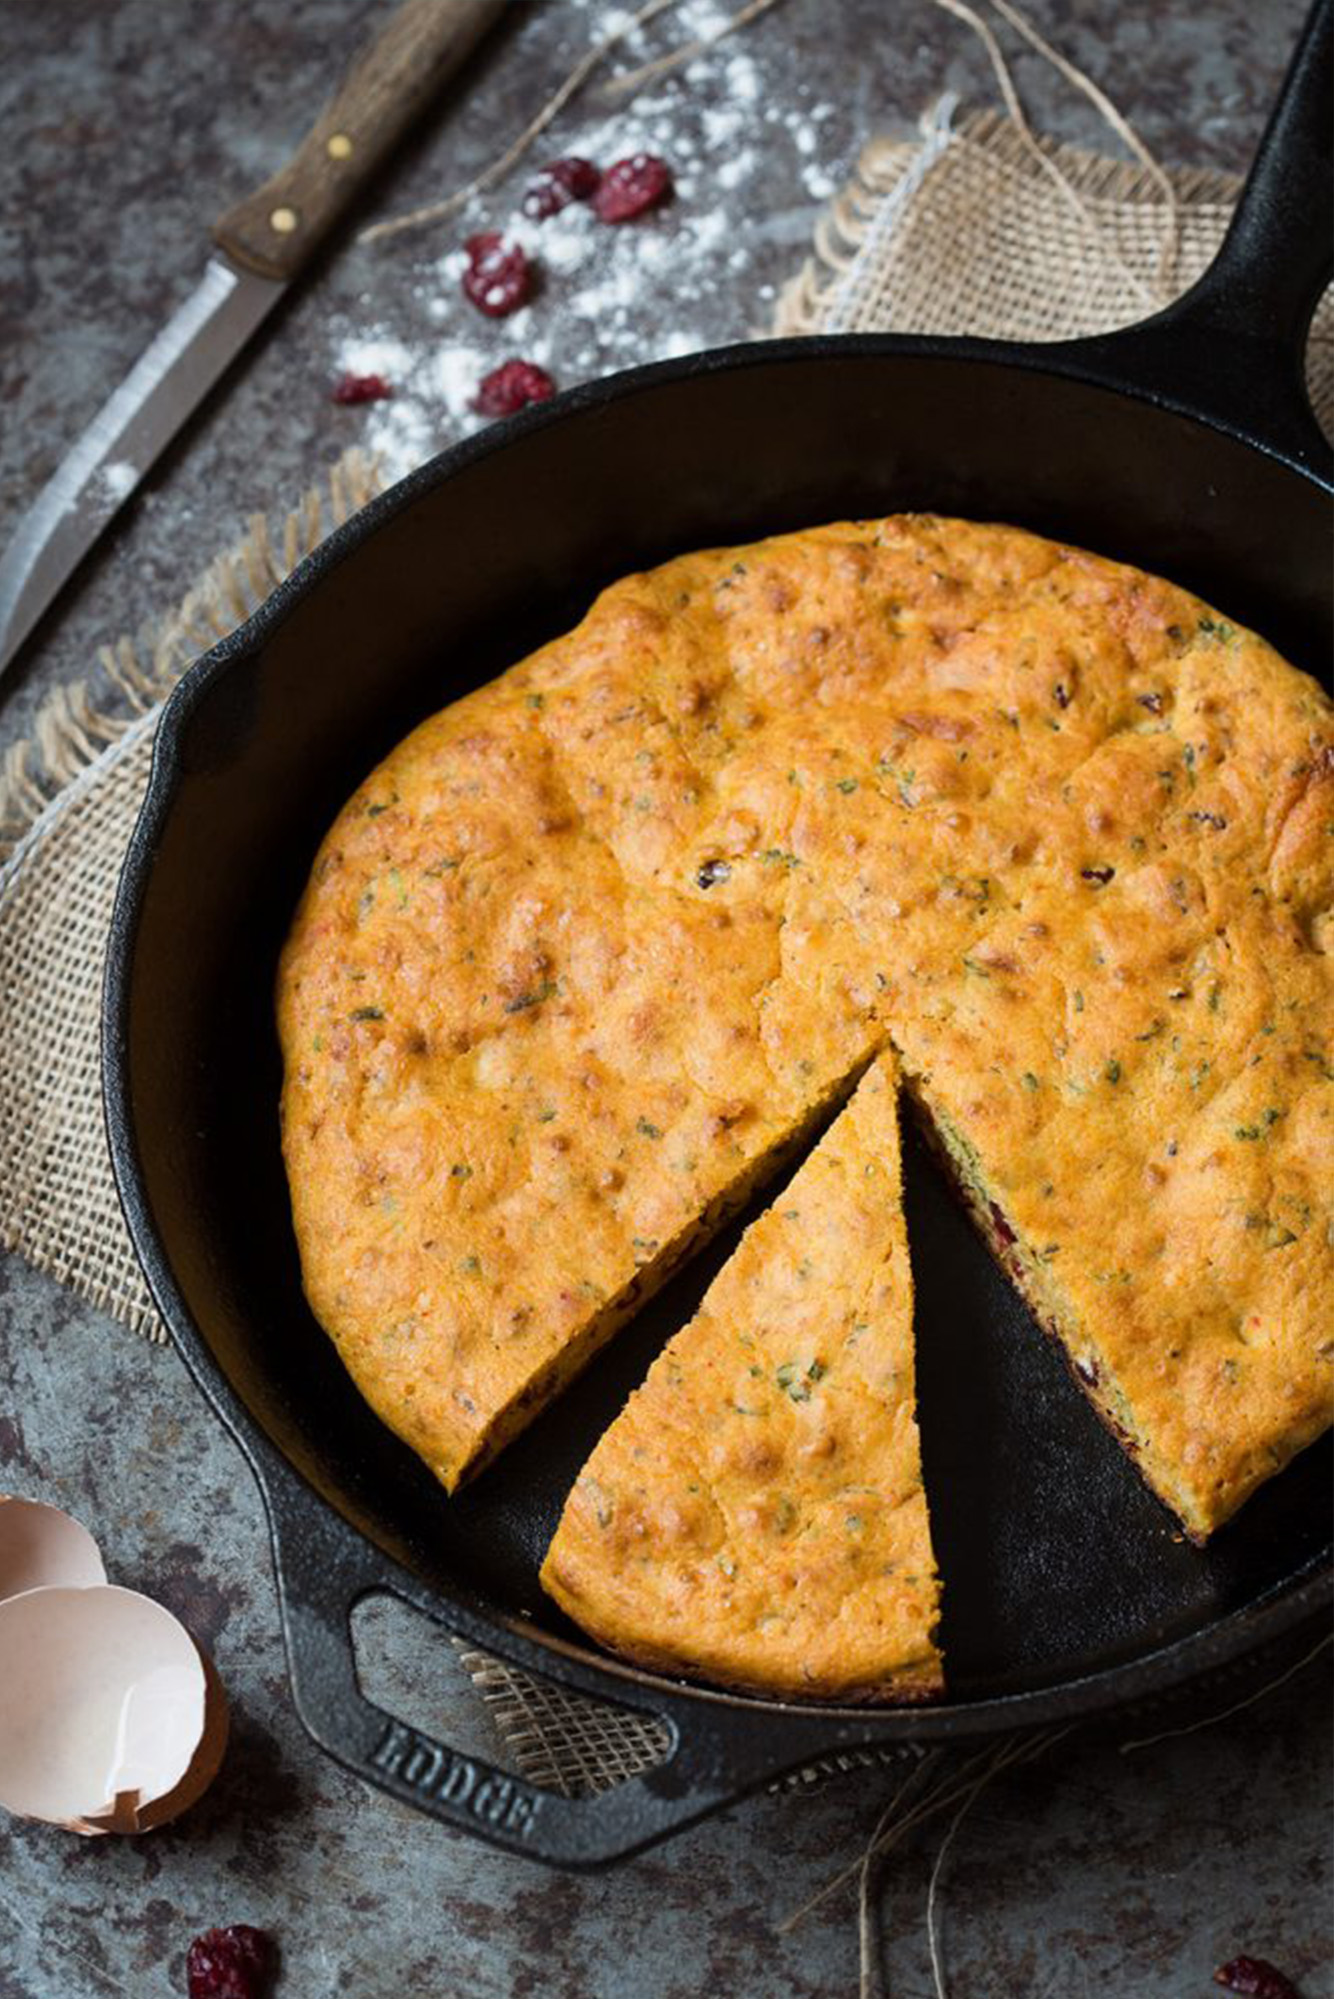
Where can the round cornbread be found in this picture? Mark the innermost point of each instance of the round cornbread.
(596, 943)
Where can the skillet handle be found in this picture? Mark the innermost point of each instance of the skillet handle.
(716, 1754)
(1232, 348)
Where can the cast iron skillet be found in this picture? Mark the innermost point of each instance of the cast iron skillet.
(1185, 445)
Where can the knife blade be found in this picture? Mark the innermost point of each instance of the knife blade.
(101, 471)
(261, 245)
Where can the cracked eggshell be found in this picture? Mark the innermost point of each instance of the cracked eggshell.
(204, 1764)
(41, 1546)
(104, 1714)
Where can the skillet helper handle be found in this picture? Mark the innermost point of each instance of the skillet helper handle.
(1233, 347)
(714, 1756)
(276, 230)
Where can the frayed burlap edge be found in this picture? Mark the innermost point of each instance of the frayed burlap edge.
(79, 721)
(88, 752)
(885, 164)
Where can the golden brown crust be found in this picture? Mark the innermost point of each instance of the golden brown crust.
(595, 940)
(755, 1515)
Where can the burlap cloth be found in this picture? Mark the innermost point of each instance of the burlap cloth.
(960, 231)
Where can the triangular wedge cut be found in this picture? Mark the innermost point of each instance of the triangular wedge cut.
(756, 1514)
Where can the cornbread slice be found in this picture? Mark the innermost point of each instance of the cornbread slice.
(756, 1514)
(595, 943)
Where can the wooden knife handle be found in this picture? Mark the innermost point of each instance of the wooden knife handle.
(278, 228)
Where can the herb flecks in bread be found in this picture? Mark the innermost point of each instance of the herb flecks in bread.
(756, 1514)
(595, 941)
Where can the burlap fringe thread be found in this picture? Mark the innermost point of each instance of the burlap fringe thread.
(849, 284)
(75, 723)
(815, 300)
(68, 795)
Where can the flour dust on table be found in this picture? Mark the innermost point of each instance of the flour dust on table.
(593, 281)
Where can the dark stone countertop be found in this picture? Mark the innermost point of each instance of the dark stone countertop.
(127, 126)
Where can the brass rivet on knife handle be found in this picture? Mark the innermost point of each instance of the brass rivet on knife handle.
(276, 229)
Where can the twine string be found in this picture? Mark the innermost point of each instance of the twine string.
(632, 81)
(1006, 1757)
(960, 1788)
(950, 1782)
(1210, 1720)
(951, 1785)
(961, 11)
(1014, 1752)
(650, 72)
(865, 1934)
(1120, 125)
(436, 211)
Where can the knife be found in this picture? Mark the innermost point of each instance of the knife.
(260, 245)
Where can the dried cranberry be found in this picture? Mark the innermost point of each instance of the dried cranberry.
(499, 277)
(1256, 1978)
(632, 187)
(360, 389)
(1004, 1233)
(512, 386)
(559, 184)
(228, 1964)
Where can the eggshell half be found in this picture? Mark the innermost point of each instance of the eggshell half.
(149, 1813)
(103, 1706)
(40, 1547)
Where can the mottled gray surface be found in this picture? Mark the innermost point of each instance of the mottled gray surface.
(127, 125)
